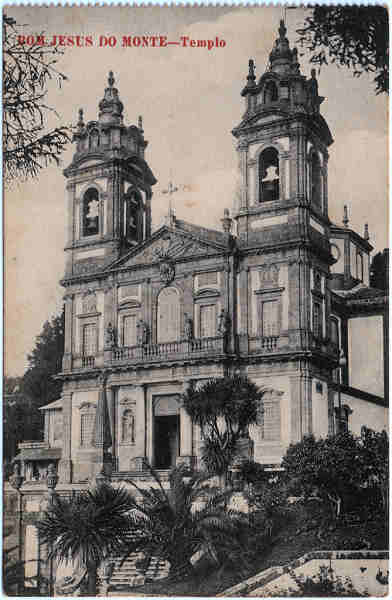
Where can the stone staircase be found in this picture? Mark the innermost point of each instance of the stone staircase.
(136, 570)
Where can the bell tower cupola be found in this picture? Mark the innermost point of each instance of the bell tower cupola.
(109, 186)
(282, 145)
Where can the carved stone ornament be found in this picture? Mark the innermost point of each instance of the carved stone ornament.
(269, 275)
(167, 272)
(89, 302)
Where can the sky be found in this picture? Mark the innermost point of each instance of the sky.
(190, 101)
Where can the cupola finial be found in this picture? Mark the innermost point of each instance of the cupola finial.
(345, 216)
(251, 74)
(282, 29)
(111, 79)
(366, 232)
(80, 121)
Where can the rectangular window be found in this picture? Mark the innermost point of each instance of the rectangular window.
(86, 429)
(208, 321)
(317, 320)
(89, 339)
(269, 318)
(271, 421)
(129, 334)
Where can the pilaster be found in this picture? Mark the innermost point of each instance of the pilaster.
(68, 328)
(65, 463)
(186, 433)
(140, 393)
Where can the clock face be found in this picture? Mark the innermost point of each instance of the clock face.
(335, 252)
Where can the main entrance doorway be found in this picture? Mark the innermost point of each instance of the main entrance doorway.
(166, 431)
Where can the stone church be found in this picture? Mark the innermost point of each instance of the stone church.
(280, 294)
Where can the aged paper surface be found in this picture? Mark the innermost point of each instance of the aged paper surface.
(239, 240)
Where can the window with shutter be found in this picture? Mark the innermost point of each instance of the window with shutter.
(86, 428)
(269, 318)
(89, 339)
(206, 279)
(317, 320)
(208, 320)
(168, 315)
(129, 334)
(271, 420)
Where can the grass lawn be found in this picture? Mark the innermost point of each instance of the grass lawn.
(299, 533)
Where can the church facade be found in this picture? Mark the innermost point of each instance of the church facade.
(280, 294)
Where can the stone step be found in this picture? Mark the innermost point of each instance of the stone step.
(129, 575)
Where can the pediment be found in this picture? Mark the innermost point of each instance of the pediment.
(167, 244)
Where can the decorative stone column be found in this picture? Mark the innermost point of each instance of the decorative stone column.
(139, 462)
(68, 328)
(186, 434)
(102, 438)
(65, 464)
(47, 570)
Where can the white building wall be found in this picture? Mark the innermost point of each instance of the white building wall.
(319, 409)
(366, 373)
(363, 413)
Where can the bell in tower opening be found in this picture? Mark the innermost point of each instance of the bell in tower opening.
(269, 175)
(133, 216)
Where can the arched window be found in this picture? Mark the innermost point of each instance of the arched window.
(359, 266)
(132, 216)
(269, 175)
(168, 315)
(94, 138)
(91, 212)
(315, 181)
(270, 92)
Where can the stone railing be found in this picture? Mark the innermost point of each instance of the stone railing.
(81, 361)
(265, 344)
(152, 352)
(33, 445)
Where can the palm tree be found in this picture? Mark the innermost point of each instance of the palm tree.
(176, 523)
(223, 408)
(88, 528)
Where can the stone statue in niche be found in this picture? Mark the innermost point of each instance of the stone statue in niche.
(128, 427)
(188, 327)
(224, 323)
(110, 336)
(142, 332)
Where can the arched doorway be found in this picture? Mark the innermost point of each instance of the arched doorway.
(166, 417)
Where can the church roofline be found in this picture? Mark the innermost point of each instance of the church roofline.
(165, 229)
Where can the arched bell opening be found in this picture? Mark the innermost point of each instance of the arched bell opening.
(269, 175)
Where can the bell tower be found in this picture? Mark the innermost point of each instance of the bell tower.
(283, 231)
(282, 147)
(109, 186)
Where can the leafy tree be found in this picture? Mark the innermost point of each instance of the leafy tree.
(223, 408)
(38, 385)
(379, 270)
(176, 523)
(375, 463)
(352, 36)
(329, 468)
(28, 145)
(89, 528)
